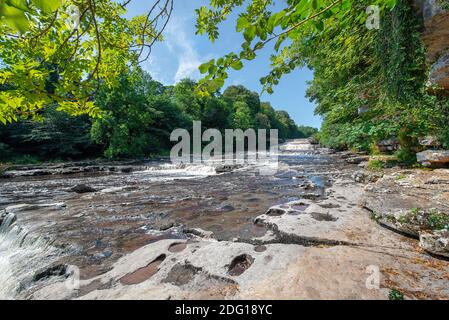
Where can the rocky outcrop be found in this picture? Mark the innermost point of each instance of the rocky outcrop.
(413, 203)
(227, 168)
(414, 222)
(436, 242)
(430, 142)
(433, 158)
(439, 72)
(3, 216)
(388, 145)
(82, 188)
(436, 35)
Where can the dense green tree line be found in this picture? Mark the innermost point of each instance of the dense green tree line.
(138, 116)
(370, 85)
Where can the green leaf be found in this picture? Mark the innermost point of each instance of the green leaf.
(15, 18)
(237, 65)
(204, 67)
(242, 23)
(250, 33)
(47, 5)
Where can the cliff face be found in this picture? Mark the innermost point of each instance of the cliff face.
(436, 38)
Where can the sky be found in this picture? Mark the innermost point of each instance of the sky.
(181, 52)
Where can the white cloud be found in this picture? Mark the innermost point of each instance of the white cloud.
(181, 46)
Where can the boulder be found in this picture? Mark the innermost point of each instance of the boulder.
(126, 169)
(82, 188)
(436, 242)
(429, 141)
(2, 216)
(433, 158)
(313, 141)
(388, 145)
(227, 168)
(363, 109)
(357, 160)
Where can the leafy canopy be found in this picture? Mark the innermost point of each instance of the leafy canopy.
(60, 51)
(297, 21)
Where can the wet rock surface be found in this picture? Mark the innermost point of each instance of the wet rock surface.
(215, 240)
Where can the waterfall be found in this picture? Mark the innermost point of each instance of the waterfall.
(21, 255)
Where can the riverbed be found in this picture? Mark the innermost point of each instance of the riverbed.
(161, 231)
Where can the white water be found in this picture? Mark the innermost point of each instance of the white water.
(21, 255)
(183, 169)
(297, 145)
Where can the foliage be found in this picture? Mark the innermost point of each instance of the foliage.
(369, 85)
(297, 22)
(58, 135)
(395, 295)
(139, 115)
(438, 220)
(376, 165)
(60, 51)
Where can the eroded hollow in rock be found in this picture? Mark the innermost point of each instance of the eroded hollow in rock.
(177, 247)
(275, 212)
(300, 207)
(181, 275)
(329, 205)
(144, 273)
(240, 264)
(319, 216)
(260, 248)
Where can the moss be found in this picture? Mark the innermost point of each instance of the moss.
(375, 216)
(395, 295)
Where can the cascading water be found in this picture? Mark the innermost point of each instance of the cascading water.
(183, 170)
(21, 255)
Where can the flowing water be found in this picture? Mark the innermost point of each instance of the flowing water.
(93, 230)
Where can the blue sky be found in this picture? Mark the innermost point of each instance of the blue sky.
(182, 52)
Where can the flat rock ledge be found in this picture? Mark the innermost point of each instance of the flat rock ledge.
(413, 203)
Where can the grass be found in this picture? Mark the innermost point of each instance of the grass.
(376, 165)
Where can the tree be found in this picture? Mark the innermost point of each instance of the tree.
(57, 136)
(298, 21)
(138, 118)
(242, 94)
(243, 116)
(77, 45)
(188, 101)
